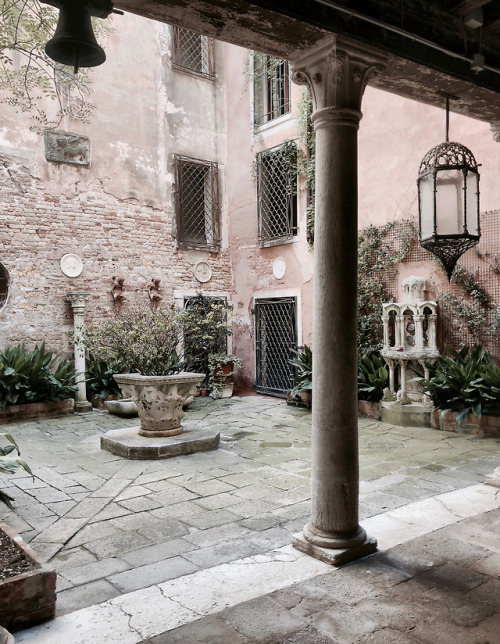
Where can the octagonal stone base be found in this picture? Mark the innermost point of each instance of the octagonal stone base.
(128, 443)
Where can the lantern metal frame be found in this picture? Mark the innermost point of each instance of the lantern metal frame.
(445, 157)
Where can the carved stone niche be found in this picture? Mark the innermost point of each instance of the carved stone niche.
(67, 147)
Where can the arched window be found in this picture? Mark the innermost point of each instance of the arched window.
(4, 285)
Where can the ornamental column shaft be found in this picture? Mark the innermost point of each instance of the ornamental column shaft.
(336, 74)
(78, 300)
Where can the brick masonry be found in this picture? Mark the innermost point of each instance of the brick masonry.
(121, 237)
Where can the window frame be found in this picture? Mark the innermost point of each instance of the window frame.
(271, 100)
(207, 67)
(182, 241)
(4, 286)
(290, 218)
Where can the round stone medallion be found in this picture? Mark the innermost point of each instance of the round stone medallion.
(203, 272)
(71, 265)
(279, 268)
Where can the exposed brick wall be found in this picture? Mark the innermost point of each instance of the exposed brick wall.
(112, 236)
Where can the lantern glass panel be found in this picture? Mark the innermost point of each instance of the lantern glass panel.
(426, 189)
(472, 203)
(449, 202)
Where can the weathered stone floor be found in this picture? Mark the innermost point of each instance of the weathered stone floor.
(130, 534)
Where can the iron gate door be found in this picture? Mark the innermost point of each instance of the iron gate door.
(275, 337)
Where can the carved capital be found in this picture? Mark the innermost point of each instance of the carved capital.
(336, 73)
(78, 299)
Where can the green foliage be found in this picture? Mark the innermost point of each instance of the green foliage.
(10, 463)
(28, 75)
(471, 286)
(373, 377)
(468, 316)
(376, 256)
(466, 381)
(142, 340)
(218, 375)
(307, 140)
(206, 328)
(100, 381)
(302, 363)
(36, 376)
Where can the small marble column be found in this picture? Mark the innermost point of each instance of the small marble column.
(77, 299)
(385, 323)
(336, 74)
(432, 331)
(400, 331)
(419, 331)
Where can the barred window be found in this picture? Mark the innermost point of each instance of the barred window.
(192, 53)
(197, 204)
(277, 194)
(4, 286)
(271, 88)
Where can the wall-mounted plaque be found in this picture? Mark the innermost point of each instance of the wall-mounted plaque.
(71, 265)
(279, 268)
(67, 147)
(203, 272)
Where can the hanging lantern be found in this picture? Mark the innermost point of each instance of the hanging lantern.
(448, 201)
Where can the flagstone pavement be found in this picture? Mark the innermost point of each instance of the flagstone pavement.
(197, 548)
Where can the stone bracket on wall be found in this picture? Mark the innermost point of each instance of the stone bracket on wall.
(67, 147)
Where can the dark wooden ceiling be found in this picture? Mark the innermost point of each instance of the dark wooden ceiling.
(429, 45)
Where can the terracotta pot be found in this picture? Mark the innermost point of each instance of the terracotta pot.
(159, 399)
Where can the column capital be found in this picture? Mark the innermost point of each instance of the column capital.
(336, 73)
(78, 299)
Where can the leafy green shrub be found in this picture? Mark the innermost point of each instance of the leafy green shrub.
(373, 377)
(466, 381)
(36, 376)
(9, 464)
(100, 381)
(206, 328)
(303, 370)
(142, 339)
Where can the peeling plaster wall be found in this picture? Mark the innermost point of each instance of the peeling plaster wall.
(117, 213)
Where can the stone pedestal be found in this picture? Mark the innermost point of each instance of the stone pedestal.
(336, 74)
(78, 299)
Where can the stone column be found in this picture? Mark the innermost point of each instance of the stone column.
(385, 323)
(336, 74)
(431, 332)
(400, 331)
(419, 331)
(77, 300)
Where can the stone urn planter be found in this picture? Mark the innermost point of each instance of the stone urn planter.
(159, 400)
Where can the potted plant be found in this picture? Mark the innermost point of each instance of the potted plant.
(222, 366)
(145, 343)
(373, 378)
(302, 362)
(206, 328)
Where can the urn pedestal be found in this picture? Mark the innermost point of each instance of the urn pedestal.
(159, 400)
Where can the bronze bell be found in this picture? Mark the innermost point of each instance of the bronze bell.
(74, 42)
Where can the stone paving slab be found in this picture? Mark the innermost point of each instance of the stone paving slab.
(214, 508)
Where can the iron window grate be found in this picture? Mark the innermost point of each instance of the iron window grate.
(275, 337)
(277, 194)
(271, 88)
(192, 53)
(197, 204)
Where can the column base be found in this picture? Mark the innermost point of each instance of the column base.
(335, 556)
(82, 407)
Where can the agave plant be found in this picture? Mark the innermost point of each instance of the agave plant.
(100, 381)
(466, 381)
(302, 362)
(373, 377)
(9, 463)
(34, 376)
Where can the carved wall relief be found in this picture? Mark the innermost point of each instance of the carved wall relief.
(67, 147)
